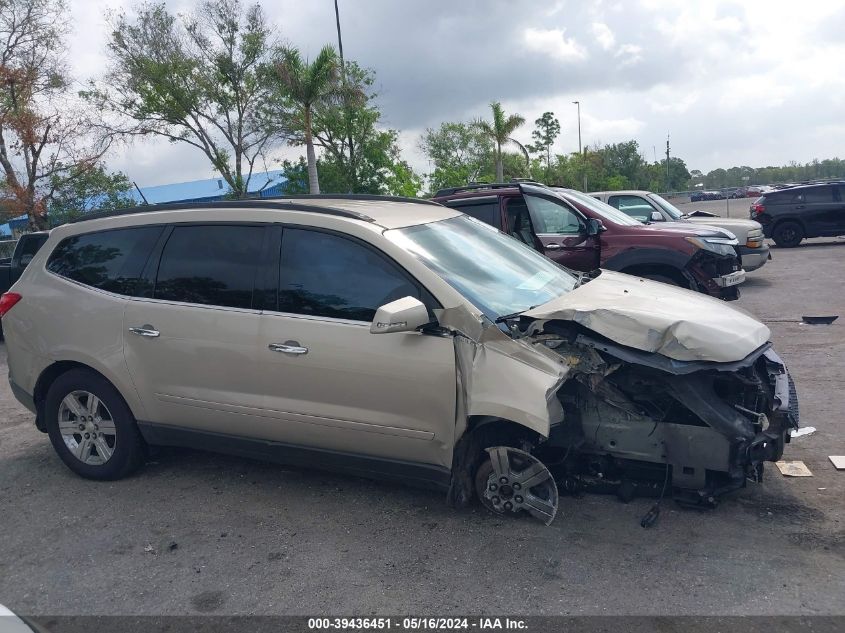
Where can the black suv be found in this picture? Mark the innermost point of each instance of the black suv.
(789, 215)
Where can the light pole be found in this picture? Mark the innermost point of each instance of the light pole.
(580, 151)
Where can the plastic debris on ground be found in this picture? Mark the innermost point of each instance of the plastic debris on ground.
(793, 469)
(838, 461)
(804, 430)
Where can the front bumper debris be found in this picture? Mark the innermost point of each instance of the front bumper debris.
(731, 279)
(630, 415)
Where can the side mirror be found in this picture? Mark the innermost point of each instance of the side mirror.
(25, 259)
(656, 216)
(594, 226)
(403, 315)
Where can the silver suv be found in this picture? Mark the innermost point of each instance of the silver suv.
(386, 337)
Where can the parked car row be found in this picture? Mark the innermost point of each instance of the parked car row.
(454, 344)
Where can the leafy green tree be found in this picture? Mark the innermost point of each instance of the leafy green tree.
(547, 129)
(499, 130)
(358, 156)
(678, 174)
(624, 161)
(308, 86)
(96, 189)
(44, 136)
(459, 153)
(196, 79)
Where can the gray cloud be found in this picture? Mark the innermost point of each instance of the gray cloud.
(734, 82)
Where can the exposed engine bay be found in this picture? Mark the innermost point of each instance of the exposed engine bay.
(634, 420)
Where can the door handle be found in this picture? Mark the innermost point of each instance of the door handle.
(288, 347)
(145, 330)
(553, 247)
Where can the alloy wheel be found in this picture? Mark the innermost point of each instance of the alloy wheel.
(87, 428)
(518, 481)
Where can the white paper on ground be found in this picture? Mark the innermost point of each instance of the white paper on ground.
(838, 461)
(804, 430)
(793, 469)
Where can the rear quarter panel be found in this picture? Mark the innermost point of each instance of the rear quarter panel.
(60, 320)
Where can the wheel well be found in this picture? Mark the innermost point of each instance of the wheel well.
(671, 272)
(46, 379)
(793, 220)
(483, 432)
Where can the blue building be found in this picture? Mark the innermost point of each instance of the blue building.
(263, 184)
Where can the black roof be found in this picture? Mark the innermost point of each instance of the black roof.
(473, 186)
(275, 202)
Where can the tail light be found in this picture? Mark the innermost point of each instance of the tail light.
(758, 208)
(8, 301)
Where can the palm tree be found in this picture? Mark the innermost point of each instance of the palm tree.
(500, 131)
(308, 85)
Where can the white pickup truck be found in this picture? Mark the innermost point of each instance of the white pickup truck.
(649, 207)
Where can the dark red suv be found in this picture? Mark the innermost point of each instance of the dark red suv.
(583, 233)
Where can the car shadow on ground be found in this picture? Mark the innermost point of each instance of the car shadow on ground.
(816, 242)
(755, 282)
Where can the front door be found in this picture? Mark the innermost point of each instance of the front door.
(559, 231)
(332, 383)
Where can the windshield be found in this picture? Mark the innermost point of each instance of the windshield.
(667, 206)
(604, 210)
(497, 273)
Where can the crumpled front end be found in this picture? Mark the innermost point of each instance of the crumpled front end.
(636, 421)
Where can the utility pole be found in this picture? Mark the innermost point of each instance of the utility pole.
(345, 96)
(339, 38)
(580, 151)
(668, 185)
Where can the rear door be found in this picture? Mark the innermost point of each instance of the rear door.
(559, 229)
(190, 339)
(837, 219)
(486, 209)
(818, 209)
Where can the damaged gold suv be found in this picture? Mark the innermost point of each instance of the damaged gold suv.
(386, 337)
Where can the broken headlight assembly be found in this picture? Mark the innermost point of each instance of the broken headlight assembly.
(717, 245)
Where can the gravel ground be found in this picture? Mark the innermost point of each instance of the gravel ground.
(200, 533)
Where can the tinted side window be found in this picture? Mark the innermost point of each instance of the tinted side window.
(108, 260)
(487, 212)
(818, 194)
(331, 276)
(211, 265)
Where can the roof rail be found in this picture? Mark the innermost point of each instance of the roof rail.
(274, 202)
(473, 186)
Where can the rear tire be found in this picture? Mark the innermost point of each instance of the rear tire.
(91, 427)
(788, 234)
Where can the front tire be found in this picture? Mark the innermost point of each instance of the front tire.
(512, 482)
(91, 427)
(788, 234)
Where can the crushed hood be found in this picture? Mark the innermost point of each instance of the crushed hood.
(655, 317)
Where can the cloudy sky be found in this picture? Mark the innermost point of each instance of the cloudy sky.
(752, 82)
